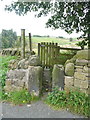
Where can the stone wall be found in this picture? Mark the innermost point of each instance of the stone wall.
(25, 74)
(28, 74)
(77, 73)
(30, 79)
(14, 52)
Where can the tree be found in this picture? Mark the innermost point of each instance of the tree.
(69, 16)
(8, 38)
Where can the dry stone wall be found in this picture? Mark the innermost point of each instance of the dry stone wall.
(25, 74)
(30, 79)
(77, 74)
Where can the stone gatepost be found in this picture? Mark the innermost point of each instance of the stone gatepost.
(58, 76)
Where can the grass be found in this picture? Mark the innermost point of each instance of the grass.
(75, 101)
(4, 60)
(18, 97)
(15, 97)
(63, 42)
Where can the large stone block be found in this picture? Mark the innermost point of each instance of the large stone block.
(80, 75)
(80, 83)
(83, 54)
(34, 77)
(78, 70)
(16, 74)
(81, 62)
(71, 88)
(30, 79)
(69, 69)
(78, 67)
(58, 76)
(69, 81)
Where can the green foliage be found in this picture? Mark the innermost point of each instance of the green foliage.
(4, 60)
(8, 38)
(69, 16)
(82, 44)
(18, 97)
(74, 100)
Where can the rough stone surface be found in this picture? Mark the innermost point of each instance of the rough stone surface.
(81, 62)
(13, 64)
(80, 75)
(86, 69)
(47, 79)
(80, 83)
(30, 79)
(21, 64)
(78, 70)
(16, 74)
(58, 76)
(34, 60)
(69, 81)
(69, 69)
(83, 54)
(34, 75)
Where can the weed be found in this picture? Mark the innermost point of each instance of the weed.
(4, 60)
(75, 101)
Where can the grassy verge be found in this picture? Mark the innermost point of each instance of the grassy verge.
(75, 101)
(18, 97)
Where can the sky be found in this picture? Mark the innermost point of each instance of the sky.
(31, 24)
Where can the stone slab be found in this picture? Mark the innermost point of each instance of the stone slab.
(69, 81)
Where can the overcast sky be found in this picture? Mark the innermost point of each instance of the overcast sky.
(36, 26)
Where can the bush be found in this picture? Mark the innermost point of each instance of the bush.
(71, 100)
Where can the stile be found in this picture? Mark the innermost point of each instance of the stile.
(48, 53)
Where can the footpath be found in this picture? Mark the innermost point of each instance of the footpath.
(35, 110)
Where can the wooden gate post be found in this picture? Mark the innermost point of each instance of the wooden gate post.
(30, 42)
(23, 43)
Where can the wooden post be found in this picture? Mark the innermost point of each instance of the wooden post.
(23, 42)
(30, 42)
(39, 49)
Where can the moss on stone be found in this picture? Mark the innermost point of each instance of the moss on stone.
(69, 69)
(82, 54)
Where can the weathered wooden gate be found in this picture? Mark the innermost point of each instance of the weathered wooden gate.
(48, 53)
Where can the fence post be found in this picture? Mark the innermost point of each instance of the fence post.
(23, 42)
(39, 49)
(30, 42)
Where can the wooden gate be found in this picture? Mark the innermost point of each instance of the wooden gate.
(48, 53)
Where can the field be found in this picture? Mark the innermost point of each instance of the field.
(63, 42)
